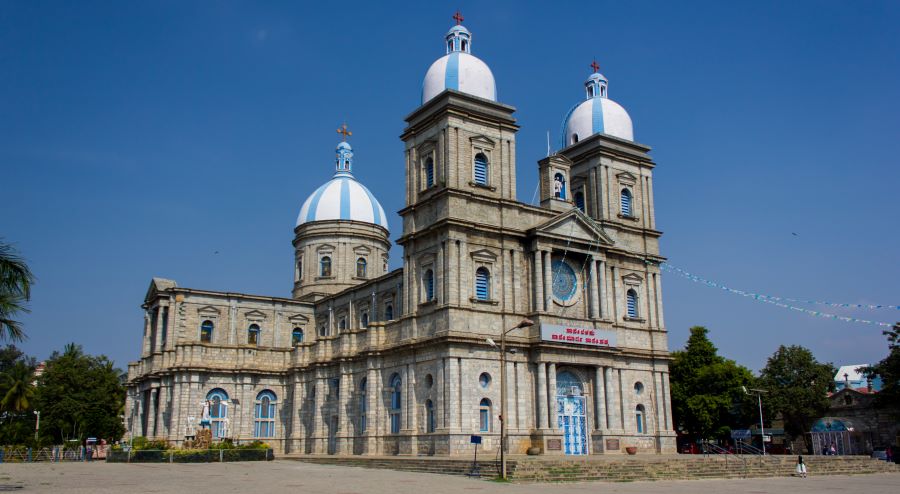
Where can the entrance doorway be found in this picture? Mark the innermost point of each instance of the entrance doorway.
(570, 412)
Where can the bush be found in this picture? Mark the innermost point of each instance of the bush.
(142, 443)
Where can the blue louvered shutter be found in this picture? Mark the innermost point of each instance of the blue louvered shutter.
(429, 173)
(429, 285)
(579, 201)
(482, 283)
(632, 303)
(626, 202)
(481, 171)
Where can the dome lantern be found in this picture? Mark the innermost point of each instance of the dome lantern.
(596, 83)
(343, 162)
(459, 38)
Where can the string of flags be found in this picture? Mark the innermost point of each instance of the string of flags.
(781, 301)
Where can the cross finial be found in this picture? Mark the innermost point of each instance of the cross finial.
(458, 17)
(344, 132)
(595, 66)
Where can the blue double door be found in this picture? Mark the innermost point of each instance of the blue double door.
(572, 421)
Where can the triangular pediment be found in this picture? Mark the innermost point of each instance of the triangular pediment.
(626, 177)
(157, 286)
(574, 225)
(632, 279)
(298, 319)
(208, 310)
(255, 314)
(484, 255)
(482, 140)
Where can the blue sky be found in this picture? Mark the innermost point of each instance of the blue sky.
(139, 138)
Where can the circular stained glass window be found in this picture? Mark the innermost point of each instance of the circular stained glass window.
(564, 280)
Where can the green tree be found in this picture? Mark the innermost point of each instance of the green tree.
(798, 387)
(706, 388)
(889, 370)
(15, 291)
(79, 396)
(17, 388)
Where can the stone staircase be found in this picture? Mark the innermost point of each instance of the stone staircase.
(619, 469)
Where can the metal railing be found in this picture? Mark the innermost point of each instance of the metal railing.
(52, 454)
(747, 449)
(710, 448)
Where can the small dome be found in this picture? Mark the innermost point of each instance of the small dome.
(597, 114)
(342, 197)
(459, 69)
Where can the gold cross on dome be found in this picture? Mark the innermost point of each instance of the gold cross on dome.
(458, 17)
(344, 132)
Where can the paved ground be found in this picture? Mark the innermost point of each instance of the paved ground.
(296, 477)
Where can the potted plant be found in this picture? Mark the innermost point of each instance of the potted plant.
(632, 450)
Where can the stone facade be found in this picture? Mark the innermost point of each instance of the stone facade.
(404, 362)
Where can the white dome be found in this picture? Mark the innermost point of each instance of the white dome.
(342, 197)
(597, 115)
(460, 71)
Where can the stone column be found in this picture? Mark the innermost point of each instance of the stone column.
(612, 406)
(344, 426)
(319, 436)
(541, 396)
(151, 412)
(439, 275)
(599, 401)
(451, 390)
(440, 417)
(667, 401)
(538, 275)
(551, 392)
(604, 302)
(372, 394)
(548, 281)
(411, 422)
(592, 281)
(621, 395)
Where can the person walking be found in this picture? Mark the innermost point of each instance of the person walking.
(801, 467)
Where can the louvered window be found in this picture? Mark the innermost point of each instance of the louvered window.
(481, 169)
(626, 202)
(579, 201)
(429, 285)
(632, 303)
(482, 283)
(429, 172)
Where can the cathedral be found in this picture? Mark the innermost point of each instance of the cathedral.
(360, 360)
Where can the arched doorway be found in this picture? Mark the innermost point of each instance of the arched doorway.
(570, 412)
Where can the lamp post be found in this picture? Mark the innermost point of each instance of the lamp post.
(762, 429)
(37, 424)
(524, 323)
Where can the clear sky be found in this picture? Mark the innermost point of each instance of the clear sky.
(138, 139)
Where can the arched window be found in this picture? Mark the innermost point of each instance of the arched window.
(559, 186)
(264, 419)
(325, 266)
(429, 172)
(253, 334)
(296, 336)
(590, 91)
(463, 45)
(574, 138)
(579, 200)
(299, 268)
(364, 319)
(429, 416)
(450, 45)
(389, 312)
(206, 331)
(484, 415)
(632, 303)
(323, 330)
(363, 406)
(217, 400)
(361, 267)
(482, 283)
(568, 384)
(639, 419)
(481, 169)
(342, 323)
(626, 202)
(428, 281)
(396, 403)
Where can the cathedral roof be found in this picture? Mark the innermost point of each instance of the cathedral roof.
(343, 197)
(597, 114)
(459, 69)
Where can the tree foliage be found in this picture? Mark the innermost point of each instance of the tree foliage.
(79, 396)
(15, 291)
(889, 370)
(706, 388)
(797, 386)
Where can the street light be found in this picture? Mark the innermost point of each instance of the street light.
(762, 429)
(524, 323)
(37, 424)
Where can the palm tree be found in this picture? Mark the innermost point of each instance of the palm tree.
(15, 290)
(17, 388)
